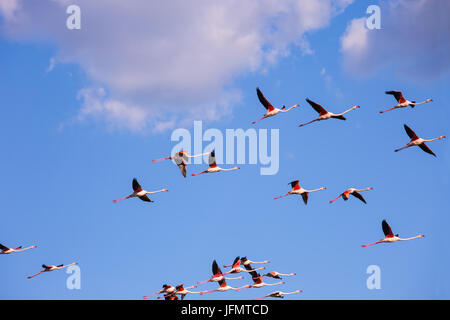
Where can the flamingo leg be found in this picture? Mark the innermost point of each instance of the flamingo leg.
(331, 201)
(258, 120)
(383, 111)
(284, 195)
(407, 146)
(35, 275)
(161, 159)
(304, 124)
(370, 244)
(121, 199)
(196, 174)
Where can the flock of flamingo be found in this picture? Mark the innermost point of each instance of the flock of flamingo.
(181, 159)
(169, 292)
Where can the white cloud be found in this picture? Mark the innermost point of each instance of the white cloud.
(414, 40)
(164, 62)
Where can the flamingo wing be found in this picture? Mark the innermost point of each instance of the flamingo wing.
(145, 198)
(264, 101)
(295, 184)
(397, 95)
(387, 229)
(236, 262)
(319, 109)
(136, 185)
(215, 268)
(410, 132)
(358, 195)
(305, 197)
(4, 248)
(212, 159)
(425, 148)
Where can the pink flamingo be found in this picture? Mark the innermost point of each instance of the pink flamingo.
(6, 250)
(181, 291)
(245, 261)
(271, 110)
(278, 294)
(139, 192)
(389, 236)
(52, 268)
(181, 159)
(213, 166)
(402, 102)
(258, 282)
(167, 288)
(222, 288)
(217, 275)
(297, 189)
(276, 275)
(354, 192)
(416, 141)
(236, 267)
(324, 114)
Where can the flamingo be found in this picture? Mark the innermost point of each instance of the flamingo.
(52, 268)
(139, 192)
(181, 159)
(236, 267)
(6, 250)
(296, 189)
(278, 294)
(389, 236)
(218, 275)
(402, 102)
(213, 166)
(245, 261)
(271, 110)
(416, 141)
(258, 282)
(182, 291)
(324, 114)
(222, 287)
(354, 192)
(166, 288)
(276, 275)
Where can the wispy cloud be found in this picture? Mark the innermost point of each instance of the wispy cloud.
(160, 62)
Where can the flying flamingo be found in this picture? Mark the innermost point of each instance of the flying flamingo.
(258, 282)
(6, 250)
(296, 189)
(245, 261)
(182, 291)
(278, 294)
(276, 275)
(52, 268)
(139, 192)
(167, 288)
(324, 114)
(236, 267)
(217, 275)
(354, 192)
(222, 287)
(389, 236)
(271, 110)
(181, 160)
(416, 141)
(213, 166)
(402, 102)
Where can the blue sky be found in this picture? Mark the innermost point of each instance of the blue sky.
(61, 168)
